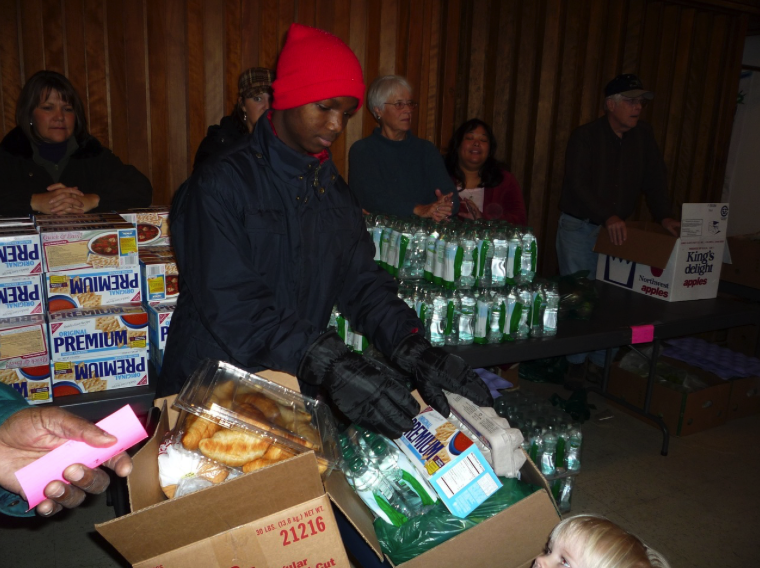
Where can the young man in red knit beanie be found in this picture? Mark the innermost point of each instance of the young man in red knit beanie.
(268, 239)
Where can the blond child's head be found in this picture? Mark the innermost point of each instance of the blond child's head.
(589, 541)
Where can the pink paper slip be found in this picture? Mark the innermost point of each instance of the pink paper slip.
(34, 477)
(642, 333)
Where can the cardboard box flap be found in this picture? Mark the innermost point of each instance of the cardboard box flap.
(180, 522)
(647, 243)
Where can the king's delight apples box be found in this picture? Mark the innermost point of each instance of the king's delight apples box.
(21, 295)
(653, 262)
(97, 331)
(92, 288)
(20, 252)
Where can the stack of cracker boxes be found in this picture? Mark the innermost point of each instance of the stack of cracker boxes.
(89, 310)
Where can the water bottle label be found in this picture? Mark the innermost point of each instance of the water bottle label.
(449, 258)
(377, 233)
(341, 327)
(449, 317)
(514, 321)
(403, 246)
(458, 259)
(484, 248)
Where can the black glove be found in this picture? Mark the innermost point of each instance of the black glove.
(365, 394)
(435, 369)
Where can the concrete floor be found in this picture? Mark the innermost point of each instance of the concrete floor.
(699, 506)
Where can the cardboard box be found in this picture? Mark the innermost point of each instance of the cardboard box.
(744, 268)
(20, 253)
(167, 539)
(152, 225)
(682, 413)
(160, 277)
(653, 262)
(33, 383)
(100, 372)
(745, 397)
(92, 288)
(23, 342)
(21, 295)
(275, 517)
(71, 247)
(159, 320)
(91, 331)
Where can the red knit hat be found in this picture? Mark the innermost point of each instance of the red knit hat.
(315, 65)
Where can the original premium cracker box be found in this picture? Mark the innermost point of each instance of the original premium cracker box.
(20, 252)
(100, 372)
(21, 295)
(160, 277)
(89, 246)
(90, 331)
(33, 383)
(92, 288)
(23, 342)
(152, 225)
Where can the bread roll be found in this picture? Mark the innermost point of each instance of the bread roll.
(266, 405)
(213, 472)
(198, 429)
(257, 464)
(233, 448)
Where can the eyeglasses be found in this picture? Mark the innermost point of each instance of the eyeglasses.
(401, 104)
(633, 102)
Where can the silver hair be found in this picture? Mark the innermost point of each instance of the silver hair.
(616, 98)
(382, 88)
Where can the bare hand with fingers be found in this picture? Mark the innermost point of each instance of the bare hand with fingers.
(438, 210)
(616, 229)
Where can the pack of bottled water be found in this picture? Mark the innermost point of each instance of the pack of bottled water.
(551, 439)
(383, 477)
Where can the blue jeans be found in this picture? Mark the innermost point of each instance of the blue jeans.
(575, 252)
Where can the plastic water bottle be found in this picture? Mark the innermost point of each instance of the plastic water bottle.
(499, 260)
(453, 311)
(548, 455)
(537, 310)
(512, 312)
(405, 255)
(378, 225)
(424, 309)
(526, 300)
(536, 445)
(469, 247)
(566, 493)
(573, 449)
(496, 323)
(452, 261)
(385, 244)
(376, 491)
(559, 457)
(514, 256)
(419, 241)
(485, 256)
(440, 251)
(529, 255)
(466, 317)
(482, 319)
(438, 319)
(432, 238)
(552, 309)
(386, 460)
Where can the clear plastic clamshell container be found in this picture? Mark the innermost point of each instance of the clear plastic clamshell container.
(247, 422)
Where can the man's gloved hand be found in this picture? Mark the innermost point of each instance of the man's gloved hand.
(435, 369)
(365, 394)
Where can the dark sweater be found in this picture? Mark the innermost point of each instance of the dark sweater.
(391, 177)
(92, 168)
(605, 175)
(220, 137)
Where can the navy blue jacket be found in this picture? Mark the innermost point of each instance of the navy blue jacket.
(267, 241)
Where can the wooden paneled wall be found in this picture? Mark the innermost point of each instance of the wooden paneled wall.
(155, 73)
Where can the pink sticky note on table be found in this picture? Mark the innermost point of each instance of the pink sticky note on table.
(123, 424)
(642, 333)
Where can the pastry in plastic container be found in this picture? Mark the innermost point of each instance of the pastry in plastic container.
(246, 422)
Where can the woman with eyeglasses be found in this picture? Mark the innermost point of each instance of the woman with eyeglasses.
(392, 171)
(486, 189)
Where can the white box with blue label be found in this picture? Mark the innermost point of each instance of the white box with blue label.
(651, 261)
(21, 295)
(20, 252)
(23, 342)
(93, 331)
(33, 383)
(100, 372)
(92, 288)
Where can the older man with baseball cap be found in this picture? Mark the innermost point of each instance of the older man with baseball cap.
(609, 163)
(269, 238)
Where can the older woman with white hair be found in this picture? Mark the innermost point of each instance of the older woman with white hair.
(392, 171)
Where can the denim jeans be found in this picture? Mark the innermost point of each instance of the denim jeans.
(575, 252)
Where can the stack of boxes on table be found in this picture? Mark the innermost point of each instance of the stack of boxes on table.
(73, 301)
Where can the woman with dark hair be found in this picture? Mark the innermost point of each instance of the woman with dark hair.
(49, 163)
(486, 189)
(254, 97)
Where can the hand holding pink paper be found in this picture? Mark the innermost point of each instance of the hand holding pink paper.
(34, 477)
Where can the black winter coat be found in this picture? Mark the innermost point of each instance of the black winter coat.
(92, 168)
(220, 137)
(267, 241)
